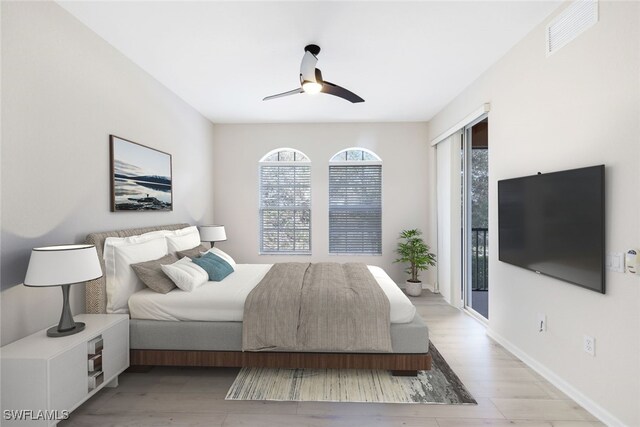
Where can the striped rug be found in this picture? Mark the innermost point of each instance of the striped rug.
(440, 385)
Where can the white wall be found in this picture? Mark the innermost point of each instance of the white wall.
(578, 107)
(64, 90)
(408, 174)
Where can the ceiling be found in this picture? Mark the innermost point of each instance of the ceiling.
(406, 59)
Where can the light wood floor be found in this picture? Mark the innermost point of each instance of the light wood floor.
(507, 391)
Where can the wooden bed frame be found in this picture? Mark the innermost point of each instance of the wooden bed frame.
(96, 302)
(399, 364)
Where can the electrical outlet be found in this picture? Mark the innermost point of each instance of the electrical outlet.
(542, 322)
(589, 345)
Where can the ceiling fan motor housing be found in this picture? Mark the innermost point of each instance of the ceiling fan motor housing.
(312, 48)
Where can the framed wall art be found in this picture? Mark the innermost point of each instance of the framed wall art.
(140, 177)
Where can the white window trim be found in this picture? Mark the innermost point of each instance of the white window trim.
(283, 163)
(277, 150)
(357, 163)
(366, 150)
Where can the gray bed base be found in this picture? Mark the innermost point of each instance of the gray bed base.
(410, 337)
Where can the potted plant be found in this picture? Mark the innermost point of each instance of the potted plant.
(417, 254)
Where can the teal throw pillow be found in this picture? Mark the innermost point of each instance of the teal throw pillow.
(216, 267)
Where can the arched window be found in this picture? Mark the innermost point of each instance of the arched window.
(355, 202)
(285, 202)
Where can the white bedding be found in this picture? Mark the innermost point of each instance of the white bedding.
(224, 301)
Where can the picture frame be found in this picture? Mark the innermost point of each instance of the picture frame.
(141, 177)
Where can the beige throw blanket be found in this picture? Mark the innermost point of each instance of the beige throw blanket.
(319, 307)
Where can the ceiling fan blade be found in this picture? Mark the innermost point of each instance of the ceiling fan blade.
(308, 67)
(335, 90)
(280, 95)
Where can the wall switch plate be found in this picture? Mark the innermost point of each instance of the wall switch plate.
(614, 261)
(542, 322)
(589, 345)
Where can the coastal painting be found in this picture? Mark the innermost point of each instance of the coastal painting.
(140, 177)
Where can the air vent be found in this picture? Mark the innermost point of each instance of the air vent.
(572, 22)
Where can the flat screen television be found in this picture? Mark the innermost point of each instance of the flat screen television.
(553, 224)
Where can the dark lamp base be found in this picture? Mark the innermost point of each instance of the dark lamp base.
(54, 332)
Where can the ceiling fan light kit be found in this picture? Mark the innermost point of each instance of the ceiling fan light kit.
(311, 87)
(311, 80)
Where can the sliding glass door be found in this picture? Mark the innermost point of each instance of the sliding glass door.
(475, 212)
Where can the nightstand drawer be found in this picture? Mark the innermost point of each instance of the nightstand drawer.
(95, 379)
(68, 378)
(95, 345)
(95, 363)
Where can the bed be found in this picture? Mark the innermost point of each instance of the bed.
(173, 330)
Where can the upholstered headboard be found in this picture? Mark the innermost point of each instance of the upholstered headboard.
(96, 292)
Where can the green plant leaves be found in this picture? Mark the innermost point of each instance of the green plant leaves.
(415, 252)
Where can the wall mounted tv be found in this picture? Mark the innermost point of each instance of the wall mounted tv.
(553, 224)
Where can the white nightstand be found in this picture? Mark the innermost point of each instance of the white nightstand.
(43, 377)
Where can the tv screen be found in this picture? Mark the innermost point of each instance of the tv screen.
(553, 224)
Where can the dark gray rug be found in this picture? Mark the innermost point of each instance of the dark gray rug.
(440, 385)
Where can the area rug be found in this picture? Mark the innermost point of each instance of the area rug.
(440, 385)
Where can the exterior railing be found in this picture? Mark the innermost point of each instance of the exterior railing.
(479, 259)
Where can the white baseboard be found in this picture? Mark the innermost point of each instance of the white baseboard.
(596, 410)
(429, 287)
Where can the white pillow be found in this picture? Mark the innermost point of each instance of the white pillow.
(183, 239)
(108, 252)
(185, 274)
(119, 254)
(225, 256)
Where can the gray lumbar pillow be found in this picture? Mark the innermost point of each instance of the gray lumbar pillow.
(193, 252)
(152, 275)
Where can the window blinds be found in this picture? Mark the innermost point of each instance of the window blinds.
(285, 209)
(355, 209)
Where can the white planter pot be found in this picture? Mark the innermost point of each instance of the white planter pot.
(413, 289)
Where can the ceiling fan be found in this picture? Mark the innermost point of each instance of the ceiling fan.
(311, 81)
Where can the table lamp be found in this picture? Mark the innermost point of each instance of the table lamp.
(212, 233)
(63, 266)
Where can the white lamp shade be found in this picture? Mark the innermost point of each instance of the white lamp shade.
(212, 233)
(62, 265)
